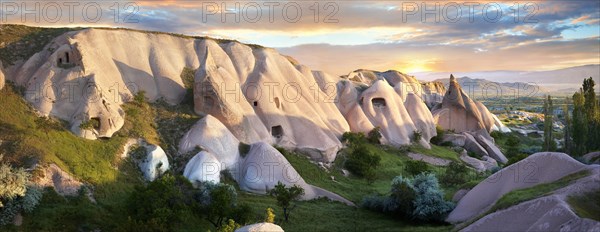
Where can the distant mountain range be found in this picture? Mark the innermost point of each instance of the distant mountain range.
(553, 81)
(477, 88)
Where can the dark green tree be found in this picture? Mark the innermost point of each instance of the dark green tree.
(512, 146)
(285, 196)
(567, 146)
(362, 162)
(592, 114)
(221, 205)
(579, 125)
(549, 144)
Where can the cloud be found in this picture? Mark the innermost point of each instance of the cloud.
(398, 32)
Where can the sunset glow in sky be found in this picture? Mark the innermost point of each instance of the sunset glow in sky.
(338, 37)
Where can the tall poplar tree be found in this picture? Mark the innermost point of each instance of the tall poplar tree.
(549, 144)
(579, 124)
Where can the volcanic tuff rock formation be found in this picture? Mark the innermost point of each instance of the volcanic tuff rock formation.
(259, 95)
(539, 168)
(277, 102)
(260, 227)
(256, 169)
(547, 213)
(459, 113)
(86, 75)
(155, 163)
(433, 93)
(389, 100)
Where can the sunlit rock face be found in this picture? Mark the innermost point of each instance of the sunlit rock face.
(277, 102)
(258, 94)
(389, 100)
(549, 167)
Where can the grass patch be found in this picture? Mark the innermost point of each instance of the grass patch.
(586, 206)
(93, 162)
(437, 151)
(517, 196)
(394, 162)
(19, 42)
(325, 215)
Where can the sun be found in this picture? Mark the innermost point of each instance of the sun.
(414, 66)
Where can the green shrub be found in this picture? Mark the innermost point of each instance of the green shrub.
(362, 162)
(13, 182)
(25, 203)
(456, 174)
(437, 140)
(140, 97)
(420, 198)
(512, 146)
(161, 204)
(352, 138)
(402, 197)
(415, 167)
(374, 136)
(429, 204)
(515, 159)
(416, 136)
(244, 149)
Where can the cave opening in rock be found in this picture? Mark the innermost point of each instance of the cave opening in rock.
(277, 131)
(255, 103)
(67, 57)
(59, 62)
(378, 102)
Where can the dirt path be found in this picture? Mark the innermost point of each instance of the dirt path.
(429, 159)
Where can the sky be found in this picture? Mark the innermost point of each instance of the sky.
(342, 36)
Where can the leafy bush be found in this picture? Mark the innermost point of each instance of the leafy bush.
(374, 136)
(26, 203)
(402, 196)
(140, 97)
(362, 162)
(429, 203)
(13, 182)
(270, 215)
(219, 203)
(420, 198)
(496, 135)
(352, 138)
(244, 149)
(455, 174)
(160, 204)
(437, 140)
(416, 136)
(415, 167)
(512, 146)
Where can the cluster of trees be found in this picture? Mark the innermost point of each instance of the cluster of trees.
(582, 129)
(420, 198)
(16, 195)
(167, 201)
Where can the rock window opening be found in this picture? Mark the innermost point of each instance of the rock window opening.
(378, 102)
(277, 131)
